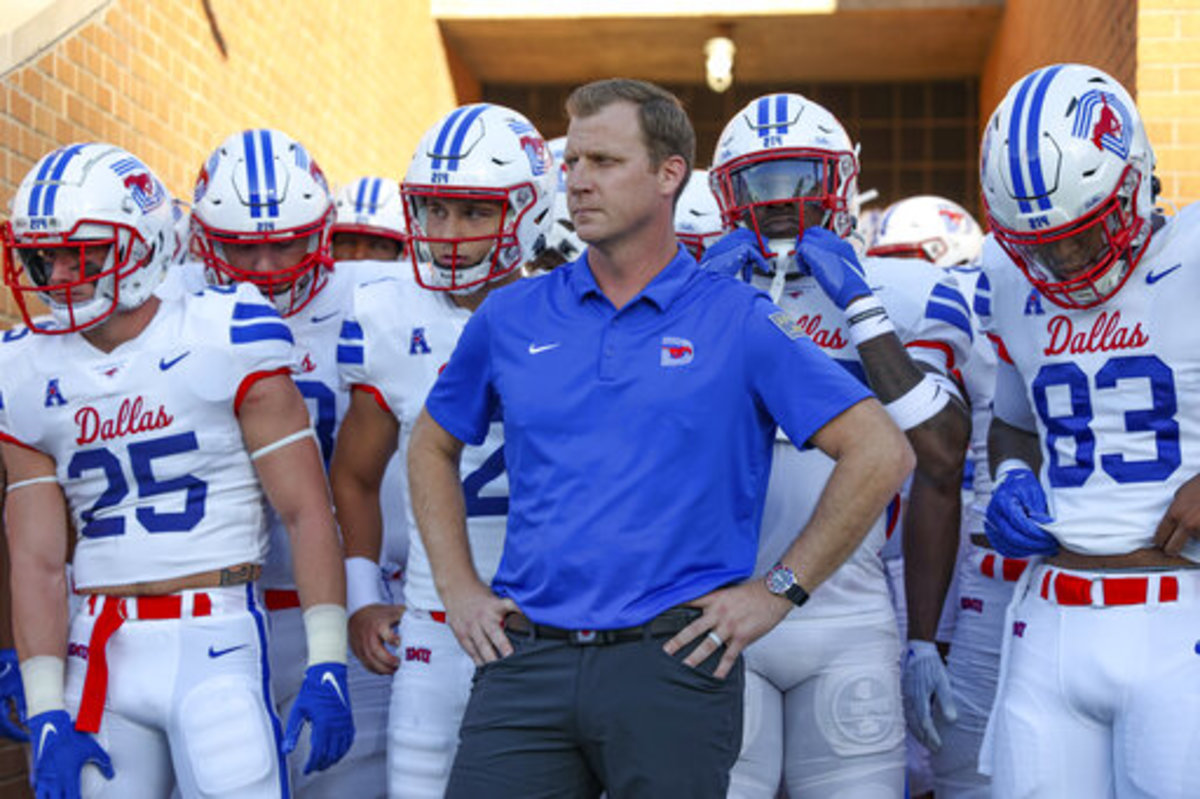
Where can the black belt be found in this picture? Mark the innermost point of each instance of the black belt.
(667, 623)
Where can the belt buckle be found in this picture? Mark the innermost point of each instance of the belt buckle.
(584, 637)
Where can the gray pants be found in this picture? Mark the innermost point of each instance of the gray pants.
(555, 719)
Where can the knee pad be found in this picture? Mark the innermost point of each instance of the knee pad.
(228, 736)
(858, 711)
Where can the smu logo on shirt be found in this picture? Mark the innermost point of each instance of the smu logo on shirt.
(1106, 334)
(417, 344)
(54, 395)
(75, 650)
(132, 418)
(420, 654)
(676, 351)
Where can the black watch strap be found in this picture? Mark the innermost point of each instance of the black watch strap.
(797, 594)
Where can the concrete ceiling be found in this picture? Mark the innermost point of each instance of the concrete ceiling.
(909, 43)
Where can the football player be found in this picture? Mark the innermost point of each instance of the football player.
(478, 194)
(942, 232)
(698, 221)
(1091, 444)
(785, 173)
(264, 216)
(162, 427)
(369, 222)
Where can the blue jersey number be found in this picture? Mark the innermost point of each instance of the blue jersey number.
(323, 410)
(1157, 419)
(474, 482)
(141, 460)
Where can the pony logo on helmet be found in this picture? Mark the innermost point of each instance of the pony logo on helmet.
(263, 214)
(1066, 172)
(784, 163)
(490, 156)
(91, 234)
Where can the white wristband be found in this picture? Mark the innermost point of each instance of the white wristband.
(1009, 465)
(32, 481)
(325, 628)
(43, 679)
(866, 318)
(919, 404)
(364, 585)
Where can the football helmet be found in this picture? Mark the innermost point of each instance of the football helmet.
(372, 207)
(697, 215)
(98, 211)
(781, 164)
(1067, 170)
(262, 188)
(562, 236)
(933, 228)
(489, 154)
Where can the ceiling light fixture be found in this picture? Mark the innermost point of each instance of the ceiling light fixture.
(718, 62)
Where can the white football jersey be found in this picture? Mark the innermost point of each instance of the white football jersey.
(396, 343)
(316, 328)
(1109, 390)
(933, 321)
(979, 380)
(146, 441)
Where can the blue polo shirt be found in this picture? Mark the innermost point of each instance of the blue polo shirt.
(637, 441)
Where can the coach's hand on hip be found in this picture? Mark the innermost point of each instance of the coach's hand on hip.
(733, 617)
(476, 616)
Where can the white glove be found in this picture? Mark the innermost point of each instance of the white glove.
(924, 680)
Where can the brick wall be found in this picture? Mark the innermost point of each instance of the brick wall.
(357, 82)
(1168, 92)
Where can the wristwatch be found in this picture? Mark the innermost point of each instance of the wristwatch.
(782, 582)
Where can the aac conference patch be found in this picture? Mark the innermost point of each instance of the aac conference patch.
(785, 323)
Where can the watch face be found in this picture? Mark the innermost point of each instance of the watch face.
(780, 579)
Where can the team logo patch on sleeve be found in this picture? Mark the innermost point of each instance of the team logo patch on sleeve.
(785, 323)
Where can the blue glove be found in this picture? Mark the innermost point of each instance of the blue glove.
(1015, 517)
(11, 693)
(324, 702)
(833, 262)
(736, 254)
(59, 754)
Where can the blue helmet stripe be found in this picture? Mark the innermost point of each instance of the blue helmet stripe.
(36, 195)
(360, 196)
(443, 134)
(764, 115)
(781, 114)
(1032, 139)
(1014, 143)
(251, 172)
(56, 175)
(461, 134)
(269, 173)
(376, 186)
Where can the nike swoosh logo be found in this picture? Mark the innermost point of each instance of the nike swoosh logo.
(316, 320)
(535, 349)
(328, 677)
(216, 653)
(164, 364)
(1154, 277)
(49, 729)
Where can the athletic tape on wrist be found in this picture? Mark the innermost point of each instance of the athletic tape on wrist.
(866, 318)
(1009, 465)
(32, 481)
(325, 629)
(299, 435)
(364, 585)
(919, 404)
(43, 680)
